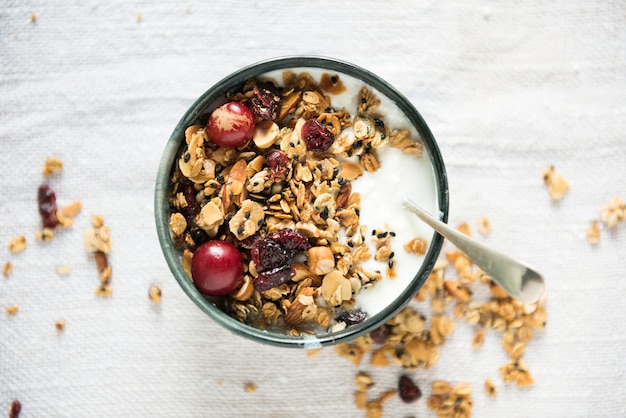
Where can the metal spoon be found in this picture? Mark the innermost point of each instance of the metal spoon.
(518, 279)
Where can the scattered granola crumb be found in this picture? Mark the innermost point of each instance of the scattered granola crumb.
(154, 293)
(478, 339)
(45, 235)
(51, 166)
(138, 19)
(72, 209)
(557, 185)
(60, 325)
(104, 291)
(12, 309)
(63, 270)
(593, 232)
(98, 242)
(17, 244)
(411, 340)
(7, 269)
(33, 18)
(313, 352)
(490, 388)
(484, 226)
(250, 387)
(16, 407)
(614, 212)
(448, 401)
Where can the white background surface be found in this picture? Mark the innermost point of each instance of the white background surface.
(507, 88)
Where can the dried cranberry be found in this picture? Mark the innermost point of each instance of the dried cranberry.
(316, 136)
(381, 334)
(198, 235)
(248, 243)
(273, 257)
(291, 240)
(278, 162)
(16, 407)
(409, 392)
(266, 102)
(189, 211)
(351, 317)
(268, 254)
(47, 202)
(272, 278)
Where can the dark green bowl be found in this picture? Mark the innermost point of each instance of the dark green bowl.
(198, 114)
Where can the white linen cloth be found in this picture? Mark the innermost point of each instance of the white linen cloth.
(508, 88)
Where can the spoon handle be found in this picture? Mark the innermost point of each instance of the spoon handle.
(516, 278)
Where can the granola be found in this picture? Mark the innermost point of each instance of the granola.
(294, 174)
(412, 340)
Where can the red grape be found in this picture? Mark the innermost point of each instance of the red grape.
(216, 268)
(231, 125)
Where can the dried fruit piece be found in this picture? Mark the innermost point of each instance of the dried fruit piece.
(16, 406)
(316, 136)
(273, 257)
(351, 317)
(408, 390)
(47, 203)
(189, 209)
(278, 162)
(266, 102)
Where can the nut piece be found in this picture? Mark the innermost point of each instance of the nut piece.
(265, 134)
(320, 259)
(60, 325)
(12, 309)
(335, 288)
(17, 244)
(245, 291)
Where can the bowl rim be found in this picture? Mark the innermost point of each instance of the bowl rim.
(203, 105)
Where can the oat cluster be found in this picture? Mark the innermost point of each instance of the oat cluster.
(412, 339)
(240, 194)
